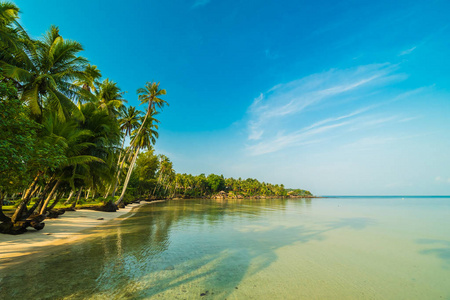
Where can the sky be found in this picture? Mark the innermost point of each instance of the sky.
(336, 97)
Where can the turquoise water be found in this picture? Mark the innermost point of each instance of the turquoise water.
(329, 248)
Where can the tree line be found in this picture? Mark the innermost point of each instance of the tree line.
(155, 178)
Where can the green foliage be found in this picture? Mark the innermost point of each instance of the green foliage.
(299, 192)
(216, 183)
(147, 164)
(23, 151)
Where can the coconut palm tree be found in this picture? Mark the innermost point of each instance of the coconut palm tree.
(73, 142)
(45, 70)
(9, 14)
(88, 84)
(106, 138)
(128, 121)
(150, 94)
(145, 136)
(110, 97)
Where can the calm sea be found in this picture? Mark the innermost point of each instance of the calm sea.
(327, 248)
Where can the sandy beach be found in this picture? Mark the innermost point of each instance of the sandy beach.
(69, 227)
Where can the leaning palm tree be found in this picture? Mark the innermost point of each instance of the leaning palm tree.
(150, 94)
(106, 139)
(145, 137)
(129, 121)
(45, 70)
(73, 142)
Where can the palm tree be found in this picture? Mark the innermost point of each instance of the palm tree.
(76, 142)
(73, 141)
(150, 94)
(106, 138)
(89, 81)
(45, 70)
(88, 84)
(109, 97)
(129, 121)
(9, 13)
(144, 138)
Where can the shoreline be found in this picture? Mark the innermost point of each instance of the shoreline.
(68, 228)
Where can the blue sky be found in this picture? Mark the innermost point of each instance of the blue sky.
(337, 97)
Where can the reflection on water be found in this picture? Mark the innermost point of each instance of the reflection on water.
(241, 249)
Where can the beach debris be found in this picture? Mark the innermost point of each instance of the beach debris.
(100, 219)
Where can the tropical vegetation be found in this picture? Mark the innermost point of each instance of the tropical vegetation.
(67, 135)
(63, 128)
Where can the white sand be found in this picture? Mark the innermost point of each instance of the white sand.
(69, 227)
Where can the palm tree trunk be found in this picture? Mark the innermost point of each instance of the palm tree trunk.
(143, 122)
(78, 198)
(107, 191)
(55, 201)
(18, 213)
(49, 197)
(70, 197)
(119, 168)
(118, 175)
(3, 217)
(130, 170)
(157, 183)
(38, 204)
(34, 192)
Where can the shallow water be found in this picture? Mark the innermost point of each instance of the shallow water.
(330, 248)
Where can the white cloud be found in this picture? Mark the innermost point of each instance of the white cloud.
(276, 117)
(301, 137)
(408, 51)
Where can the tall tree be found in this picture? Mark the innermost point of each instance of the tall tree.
(45, 70)
(129, 120)
(145, 137)
(150, 94)
(110, 97)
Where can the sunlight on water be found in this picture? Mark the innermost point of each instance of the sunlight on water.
(331, 248)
